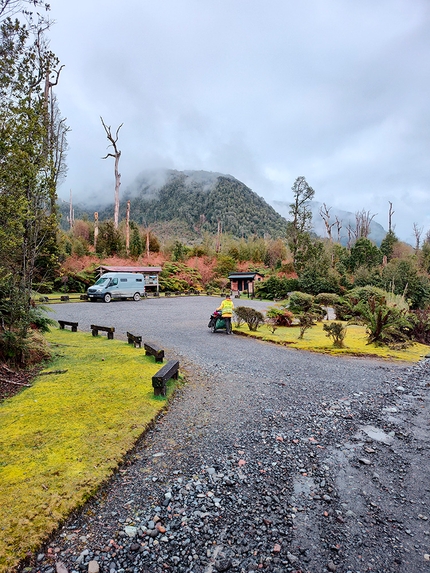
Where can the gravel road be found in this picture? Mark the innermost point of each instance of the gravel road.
(268, 459)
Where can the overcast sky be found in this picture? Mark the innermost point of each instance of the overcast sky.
(264, 90)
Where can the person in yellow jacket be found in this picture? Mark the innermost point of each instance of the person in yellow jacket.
(226, 309)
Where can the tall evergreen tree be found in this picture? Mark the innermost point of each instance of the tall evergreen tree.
(29, 170)
(299, 227)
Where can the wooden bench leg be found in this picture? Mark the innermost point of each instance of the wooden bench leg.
(110, 335)
(95, 332)
(160, 391)
(74, 329)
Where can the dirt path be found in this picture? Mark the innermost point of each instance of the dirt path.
(268, 459)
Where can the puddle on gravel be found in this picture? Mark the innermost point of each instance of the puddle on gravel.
(303, 486)
(377, 434)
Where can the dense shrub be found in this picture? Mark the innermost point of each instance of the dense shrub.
(306, 321)
(300, 302)
(252, 317)
(275, 287)
(385, 325)
(280, 316)
(337, 332)
(177, 276)
(420, 325)
(327, 299)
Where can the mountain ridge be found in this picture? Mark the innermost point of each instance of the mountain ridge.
(192, 202)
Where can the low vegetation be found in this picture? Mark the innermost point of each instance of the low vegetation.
(315, 340)
(66, 433)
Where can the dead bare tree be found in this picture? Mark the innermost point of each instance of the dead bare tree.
(96, 228)
(325, 214)
(390, 216)
(418, 231)
(363, 220)
(127, 228)
(338, 224)
(351, 236)
(116, 155)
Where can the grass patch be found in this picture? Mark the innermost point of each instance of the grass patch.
(315, 340)
(61, 438)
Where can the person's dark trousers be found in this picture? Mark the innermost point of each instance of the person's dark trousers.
(228, 324)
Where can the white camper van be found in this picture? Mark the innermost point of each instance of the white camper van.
(117, 286)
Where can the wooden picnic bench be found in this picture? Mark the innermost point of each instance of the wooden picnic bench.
(154, 350)
(109, 329)
(159, 380)
(73, 325)
(135, 340)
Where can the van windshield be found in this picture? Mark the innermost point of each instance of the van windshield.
(102, 281)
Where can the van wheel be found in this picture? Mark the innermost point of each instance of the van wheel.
(136, 296)
(107, 297)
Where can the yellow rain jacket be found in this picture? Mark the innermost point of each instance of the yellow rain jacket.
(226, 308)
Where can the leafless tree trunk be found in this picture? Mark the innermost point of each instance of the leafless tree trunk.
(325, 214)
(338, 224)
(116, 155)
(96, 228)
(127, 229)
(390, 216)
(417, 233)
(363, 219)
(351, 236)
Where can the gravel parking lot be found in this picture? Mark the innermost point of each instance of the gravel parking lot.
(267, 459)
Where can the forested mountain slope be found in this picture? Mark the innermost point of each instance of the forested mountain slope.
(198, 200)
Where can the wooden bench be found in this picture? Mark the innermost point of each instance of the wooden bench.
(109, 329)
(83, 297)
(159, 380)
(64, 298)
(135, 340)
(155, 351)
(73, 325)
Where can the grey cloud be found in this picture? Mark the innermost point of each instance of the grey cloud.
(335, 91)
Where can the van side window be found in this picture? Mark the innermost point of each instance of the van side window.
(113, 282)
(123, 280)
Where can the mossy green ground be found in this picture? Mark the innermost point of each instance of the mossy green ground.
(316, 340)
(62, 437)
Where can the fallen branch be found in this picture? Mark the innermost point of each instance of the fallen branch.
(16, 383)
(52, 372)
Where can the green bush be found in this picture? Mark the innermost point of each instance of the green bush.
(327, 299)
(385, 325)
(306, 321)
(280, 316)
(300, 302)
(420, 325)
(337, 332)
(275, 287)
(252, 317)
